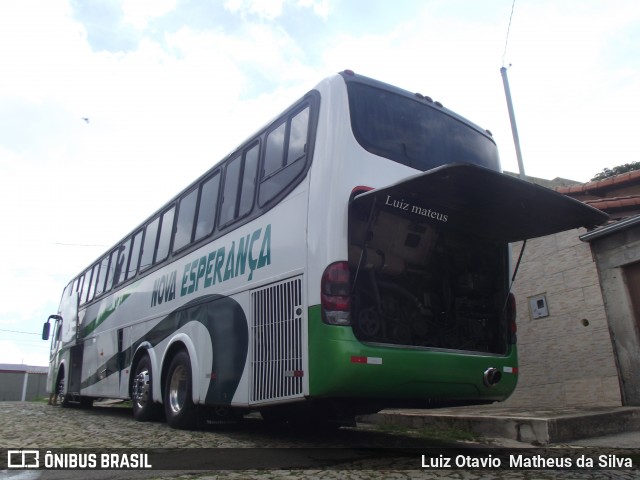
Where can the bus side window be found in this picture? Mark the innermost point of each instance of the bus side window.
(298, 136)
(134, 256)
(102, 275)
(166, 228)
(94, 281)
(280, 169)
(239, 185)
(273, 158)
(149, 244)
(248, 186)
(81, 290)
(184, 223)
(207, 206)
(112, 270)
(230, 190)
(121, 266)
(68, 289)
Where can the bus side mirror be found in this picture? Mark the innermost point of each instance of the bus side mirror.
(47, 327)
(45, 330)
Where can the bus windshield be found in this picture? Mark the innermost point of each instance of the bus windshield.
(409, 131)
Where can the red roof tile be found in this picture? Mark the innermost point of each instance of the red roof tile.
(591, 187)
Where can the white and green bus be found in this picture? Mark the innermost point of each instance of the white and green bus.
(350, 256)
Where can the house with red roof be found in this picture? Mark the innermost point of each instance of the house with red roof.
(578, 295)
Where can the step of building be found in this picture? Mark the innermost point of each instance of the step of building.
(538, 427)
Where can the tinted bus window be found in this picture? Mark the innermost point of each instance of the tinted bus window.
(298, 136)
(248, 185)
(94, 281)
(230, 192)
(113, 260)
(279, 170)
(411, 132)
(166, 227)
(184, 224)
(121, 267)
(208, 206)
(81, 290)
(149, 246)
(274, 153)
(136, 243)
(102, 275)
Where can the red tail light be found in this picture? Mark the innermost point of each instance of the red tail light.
(335, 294)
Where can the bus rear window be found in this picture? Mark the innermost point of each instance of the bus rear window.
(414, 133)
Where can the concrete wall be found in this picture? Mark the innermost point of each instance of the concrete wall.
(613, 253)
(566, 358)
(12, 386)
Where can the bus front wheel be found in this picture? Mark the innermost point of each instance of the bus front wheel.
(178, 400)
(61, 398)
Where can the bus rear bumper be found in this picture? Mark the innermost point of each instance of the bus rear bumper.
(340, 366)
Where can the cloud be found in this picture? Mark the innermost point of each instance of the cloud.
(267, 9)
(29, 351)
(139, 12)
(273, 9)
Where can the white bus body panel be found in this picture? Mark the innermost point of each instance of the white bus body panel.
(142, 306)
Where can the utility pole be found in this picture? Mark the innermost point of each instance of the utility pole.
(512, 117)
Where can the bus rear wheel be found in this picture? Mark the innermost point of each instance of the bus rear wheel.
(144, 408)
(178, 400)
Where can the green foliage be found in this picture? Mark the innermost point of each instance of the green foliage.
(611, 172)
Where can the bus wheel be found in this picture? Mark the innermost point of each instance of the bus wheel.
(61, 398)
(178, 401)
(144, 408)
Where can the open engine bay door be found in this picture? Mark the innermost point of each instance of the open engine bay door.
(479, 201)
(429, 257)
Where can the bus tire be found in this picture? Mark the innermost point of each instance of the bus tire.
(144, 408)
(178, 400)
(61, 398)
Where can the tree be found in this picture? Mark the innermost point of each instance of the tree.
(611, 172)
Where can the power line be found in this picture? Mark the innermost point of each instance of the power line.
(16, 331)
(79, 244)
(506, 40)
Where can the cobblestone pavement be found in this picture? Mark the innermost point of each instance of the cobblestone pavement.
(37, 425)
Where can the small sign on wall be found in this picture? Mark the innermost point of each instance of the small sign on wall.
(538, 306)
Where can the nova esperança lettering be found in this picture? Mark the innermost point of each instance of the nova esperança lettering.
(415, 209)
(218, 266)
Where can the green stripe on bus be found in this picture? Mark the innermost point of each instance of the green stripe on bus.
(342, 366)
(96, 322)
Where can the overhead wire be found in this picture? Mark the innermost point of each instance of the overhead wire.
(506, 41)
(16, 331)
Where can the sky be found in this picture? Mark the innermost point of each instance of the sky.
(108, 108)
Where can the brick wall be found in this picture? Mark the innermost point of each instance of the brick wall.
(566, 359)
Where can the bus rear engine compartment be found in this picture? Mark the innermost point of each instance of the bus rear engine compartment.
(421, 284)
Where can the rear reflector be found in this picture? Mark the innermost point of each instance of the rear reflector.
(368, 360)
